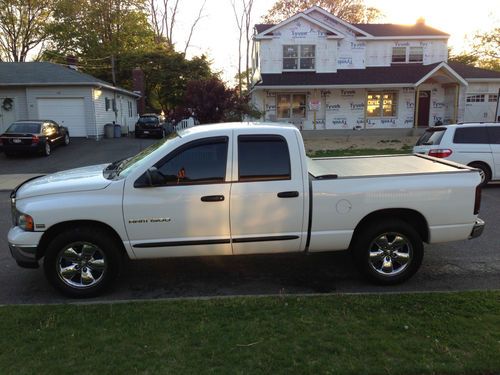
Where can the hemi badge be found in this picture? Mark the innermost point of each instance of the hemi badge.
(40, 226)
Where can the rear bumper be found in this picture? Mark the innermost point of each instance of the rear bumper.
(22, 148)
(478, 228)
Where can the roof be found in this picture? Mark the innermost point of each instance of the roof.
(250, 125)
(49, 74)
(471, 72)
(388, 75)
(390, 29)
(382, 29)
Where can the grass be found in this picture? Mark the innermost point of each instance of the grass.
(448, 333)
(360, 152)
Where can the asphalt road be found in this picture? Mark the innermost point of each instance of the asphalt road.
(463, 265)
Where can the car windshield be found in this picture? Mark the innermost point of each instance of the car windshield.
(122, 168)
(431, 137)
(148, 120)
(24, 127)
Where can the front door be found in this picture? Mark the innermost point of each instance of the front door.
(424, 106)
(7, 113)
(186, 211)
(267, 199)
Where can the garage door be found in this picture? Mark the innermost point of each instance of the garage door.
(65, 111)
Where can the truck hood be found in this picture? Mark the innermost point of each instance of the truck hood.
(72, 180)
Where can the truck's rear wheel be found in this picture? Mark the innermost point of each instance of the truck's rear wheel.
(82, 262)
(388, 252)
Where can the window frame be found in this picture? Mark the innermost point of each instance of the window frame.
(290, 108)
(407, 55)
(298, 58)
(184, 147)
(257, 138)
(475, 98)
(381, 104)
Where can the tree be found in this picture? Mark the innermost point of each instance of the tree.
(484, 51)
(354, 11)
(488, 44)
(22, 27)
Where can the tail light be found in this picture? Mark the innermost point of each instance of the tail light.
(440, 152)
(477, 200)
(35, 140)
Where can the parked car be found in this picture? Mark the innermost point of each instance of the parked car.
(151, 124)
(474, 144)
(33, 136)
(234, 189)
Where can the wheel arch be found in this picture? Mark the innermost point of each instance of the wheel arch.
(410, 216)
(482, 162)
(54, 230)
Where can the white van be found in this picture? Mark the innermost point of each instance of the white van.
(473, 144)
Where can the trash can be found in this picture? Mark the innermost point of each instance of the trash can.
(118, 131)
(109, 130)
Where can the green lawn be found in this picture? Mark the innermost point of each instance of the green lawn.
(445, 333)
(359, 152)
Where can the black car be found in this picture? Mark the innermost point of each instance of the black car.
(151, 125)
(33, 136)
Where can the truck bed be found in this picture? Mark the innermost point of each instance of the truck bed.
(382, 165)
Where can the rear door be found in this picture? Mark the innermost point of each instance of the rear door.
(267, 198)
(494, 133)
(471, 143)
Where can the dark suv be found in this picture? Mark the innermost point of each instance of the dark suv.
(151, 124)
(33, 136)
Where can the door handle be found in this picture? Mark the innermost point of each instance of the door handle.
(288, 194)
(212, 198)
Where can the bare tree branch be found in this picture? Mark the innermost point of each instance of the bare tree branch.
(193, 26)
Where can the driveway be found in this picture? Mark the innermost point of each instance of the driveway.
(79, 153)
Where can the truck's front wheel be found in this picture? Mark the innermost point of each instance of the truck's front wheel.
(81, 262)
(388, 252)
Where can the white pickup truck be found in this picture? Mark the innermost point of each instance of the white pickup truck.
(233, 189)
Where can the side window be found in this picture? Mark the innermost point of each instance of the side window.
(474, 134)
(199, 162)
(263, 158)
(494, 133)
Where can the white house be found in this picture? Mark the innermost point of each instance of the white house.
(319, 72)
(82, 103)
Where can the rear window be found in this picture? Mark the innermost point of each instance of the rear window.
(475, 134)
(431, 137)
(24, 127)
(494, 132)
(148, 120)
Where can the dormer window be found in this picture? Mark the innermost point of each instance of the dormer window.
(299, 57)
(407, 54)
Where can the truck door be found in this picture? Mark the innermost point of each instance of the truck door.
(187, 212)
(267, 194)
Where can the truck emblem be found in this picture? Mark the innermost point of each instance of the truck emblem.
(150, 220)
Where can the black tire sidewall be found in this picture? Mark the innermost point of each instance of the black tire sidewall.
(360, 249)
(485, 170)
(88, 234)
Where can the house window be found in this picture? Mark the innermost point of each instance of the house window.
(106, 104)
(381, 104)
(299, 57)
(129, 109)
(475, 98)
(398, 54)
(291, 106)
(492, 98)
(416, 55)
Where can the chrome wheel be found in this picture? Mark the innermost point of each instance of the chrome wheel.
(81, 265)
(47, 148)
(390, 254)
(66, 139)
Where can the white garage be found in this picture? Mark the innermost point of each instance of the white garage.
(68, 112)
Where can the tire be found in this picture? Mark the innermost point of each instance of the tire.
(388, 252)
(66, 140)
(46, 149)
(82, 262)
(484, 172)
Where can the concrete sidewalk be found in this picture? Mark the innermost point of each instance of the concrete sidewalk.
(10, 181)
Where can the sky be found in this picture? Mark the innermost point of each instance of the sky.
(217, 35)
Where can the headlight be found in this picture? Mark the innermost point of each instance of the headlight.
(25, 222)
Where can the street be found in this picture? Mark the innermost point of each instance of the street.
(463, 265)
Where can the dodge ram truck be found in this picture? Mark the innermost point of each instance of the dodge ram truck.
(240, 188)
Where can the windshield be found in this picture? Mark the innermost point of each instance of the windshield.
(122, 168)
(431, 137)
(148, 120)
(24, 127)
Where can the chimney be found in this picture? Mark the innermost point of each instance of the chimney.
(420, 21)
(138, 87)
(72, 62)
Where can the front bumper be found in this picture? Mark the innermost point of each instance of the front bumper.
(478, 228)
(23, 246)
(25, 256)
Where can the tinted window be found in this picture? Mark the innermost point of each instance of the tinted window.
(148, 120)
(263, 158)
(199, 162)
(431, 137)
(494, 133)
(475, 134)
(24, 127)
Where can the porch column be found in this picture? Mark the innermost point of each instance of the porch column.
(455, 103)
(417, 102)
